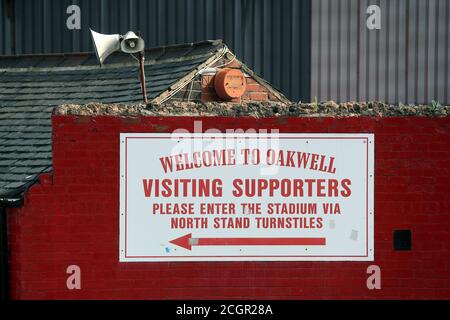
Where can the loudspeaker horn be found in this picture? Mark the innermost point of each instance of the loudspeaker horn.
(131, 43)
(105, 44)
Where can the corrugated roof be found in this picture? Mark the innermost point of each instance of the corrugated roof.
(32, 85)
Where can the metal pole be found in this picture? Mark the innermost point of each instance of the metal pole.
(142, 76)
(4, 275)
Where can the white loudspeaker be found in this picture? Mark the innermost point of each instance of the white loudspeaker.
(131, 43)
(105, 44)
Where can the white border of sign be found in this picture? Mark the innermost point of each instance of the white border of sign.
(370, 142)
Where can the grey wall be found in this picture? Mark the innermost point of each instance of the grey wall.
(308, 49)
(270, 36)
(406, 61)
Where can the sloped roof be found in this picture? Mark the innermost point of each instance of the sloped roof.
(32, 85)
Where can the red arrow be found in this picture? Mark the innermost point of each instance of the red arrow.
(187, 241)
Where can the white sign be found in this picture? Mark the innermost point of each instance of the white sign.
(234, 197)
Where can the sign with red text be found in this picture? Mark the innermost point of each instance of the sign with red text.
(246, 196)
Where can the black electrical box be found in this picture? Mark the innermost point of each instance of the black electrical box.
(402, 240)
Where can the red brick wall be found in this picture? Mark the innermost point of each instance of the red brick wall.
(73, 219)
(253, 92)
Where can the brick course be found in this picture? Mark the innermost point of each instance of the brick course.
(253, 92)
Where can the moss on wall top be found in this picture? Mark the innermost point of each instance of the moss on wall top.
(261, 109)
